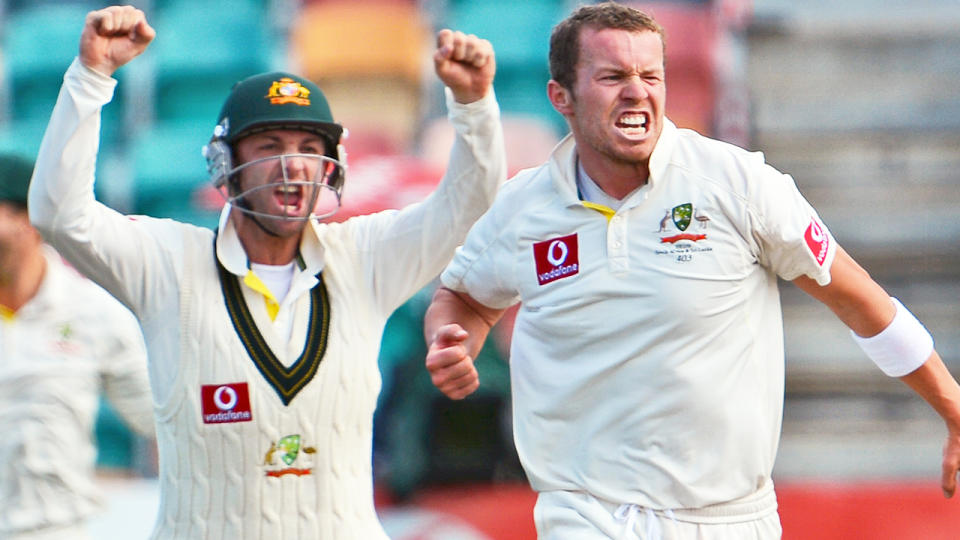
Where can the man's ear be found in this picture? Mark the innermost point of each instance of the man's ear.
(560, 98)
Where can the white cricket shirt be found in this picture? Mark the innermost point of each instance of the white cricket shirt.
(647, 357)
(58, 352)
(262, 433)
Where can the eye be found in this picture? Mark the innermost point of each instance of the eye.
(267, 146)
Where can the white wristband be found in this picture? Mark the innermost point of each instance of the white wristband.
(903, 346)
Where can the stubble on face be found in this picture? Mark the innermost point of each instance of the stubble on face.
(619, 97)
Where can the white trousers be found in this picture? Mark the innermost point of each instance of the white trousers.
(574, 515)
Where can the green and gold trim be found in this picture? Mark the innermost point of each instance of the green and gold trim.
(287, 382)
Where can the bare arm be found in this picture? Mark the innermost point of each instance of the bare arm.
(455, 327)
(865, 308)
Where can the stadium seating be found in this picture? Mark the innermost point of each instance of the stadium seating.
(520, 34)
(169, 171)
(528, 140)
(201, 49)
(39, 42)
(369, 59)
(22, 136)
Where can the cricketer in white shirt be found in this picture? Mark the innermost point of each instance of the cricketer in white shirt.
(59, 352)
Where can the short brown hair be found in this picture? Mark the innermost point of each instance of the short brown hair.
(565, 39)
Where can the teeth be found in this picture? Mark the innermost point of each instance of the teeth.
(634, 120)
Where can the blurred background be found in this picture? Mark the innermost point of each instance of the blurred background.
(857, 100)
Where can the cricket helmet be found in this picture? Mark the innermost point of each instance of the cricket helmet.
(275, 100)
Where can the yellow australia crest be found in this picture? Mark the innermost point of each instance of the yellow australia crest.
(287, 90)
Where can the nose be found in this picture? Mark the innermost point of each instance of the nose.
(295, 166)
(634, 88)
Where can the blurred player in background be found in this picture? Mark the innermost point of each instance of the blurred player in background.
(63, 343)
(647, 360)
(263, 335)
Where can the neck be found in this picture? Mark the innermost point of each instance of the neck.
(263, 247)
(617, 179)
(20, 278)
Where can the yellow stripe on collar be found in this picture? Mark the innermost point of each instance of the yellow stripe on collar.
(605, 210)
(253, 281)
(7, 314)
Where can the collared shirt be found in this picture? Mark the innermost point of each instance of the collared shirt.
(202, 339)
(647, 355)
(61, 203)
(58, 352)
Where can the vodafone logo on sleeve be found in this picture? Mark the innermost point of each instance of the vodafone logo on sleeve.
(556, 258)
(817, 241)
(224, 403)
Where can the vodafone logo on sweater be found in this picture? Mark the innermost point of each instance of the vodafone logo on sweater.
(556, 258)
(225, 403)
(817, 241)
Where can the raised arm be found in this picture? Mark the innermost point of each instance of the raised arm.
(426, 234)
(96, 240)
(112, 37)
(897, 343)
(455, 327)
(465, 64)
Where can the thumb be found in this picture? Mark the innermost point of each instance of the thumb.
(142, 33)
(449, 335)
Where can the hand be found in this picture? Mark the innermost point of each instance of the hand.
(951, 463)
(451, 369)
(112, 37)
(465, 63)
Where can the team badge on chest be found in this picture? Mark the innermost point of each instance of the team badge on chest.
(556, 258)
(225, 403)
(288, 456)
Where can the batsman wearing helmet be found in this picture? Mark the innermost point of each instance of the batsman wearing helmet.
(263, 335)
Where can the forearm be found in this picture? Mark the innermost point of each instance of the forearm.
(449, 307)
(477, 166)
(430, 231)
(61, 192)
(101, 243)
(934, 383)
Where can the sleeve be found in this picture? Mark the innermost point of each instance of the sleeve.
(789, 237)
(130, 257)
(410, 247)
(123, 367)
(484, 266)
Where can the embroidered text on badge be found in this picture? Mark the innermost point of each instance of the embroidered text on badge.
(224, 403)
(817, 241)
(556, 258)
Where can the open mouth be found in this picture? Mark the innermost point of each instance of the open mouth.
(633, 123)
(289, 198)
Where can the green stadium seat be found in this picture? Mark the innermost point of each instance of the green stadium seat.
(201, 49)
(22, 136)
(38, 44)
(168, 171)
(522, 43)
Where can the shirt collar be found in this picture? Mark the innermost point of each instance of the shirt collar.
(231, 254)
(660, 157)
(563, 161)
(563, 169)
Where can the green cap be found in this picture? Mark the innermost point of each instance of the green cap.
(15, 173)
(276, 100)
